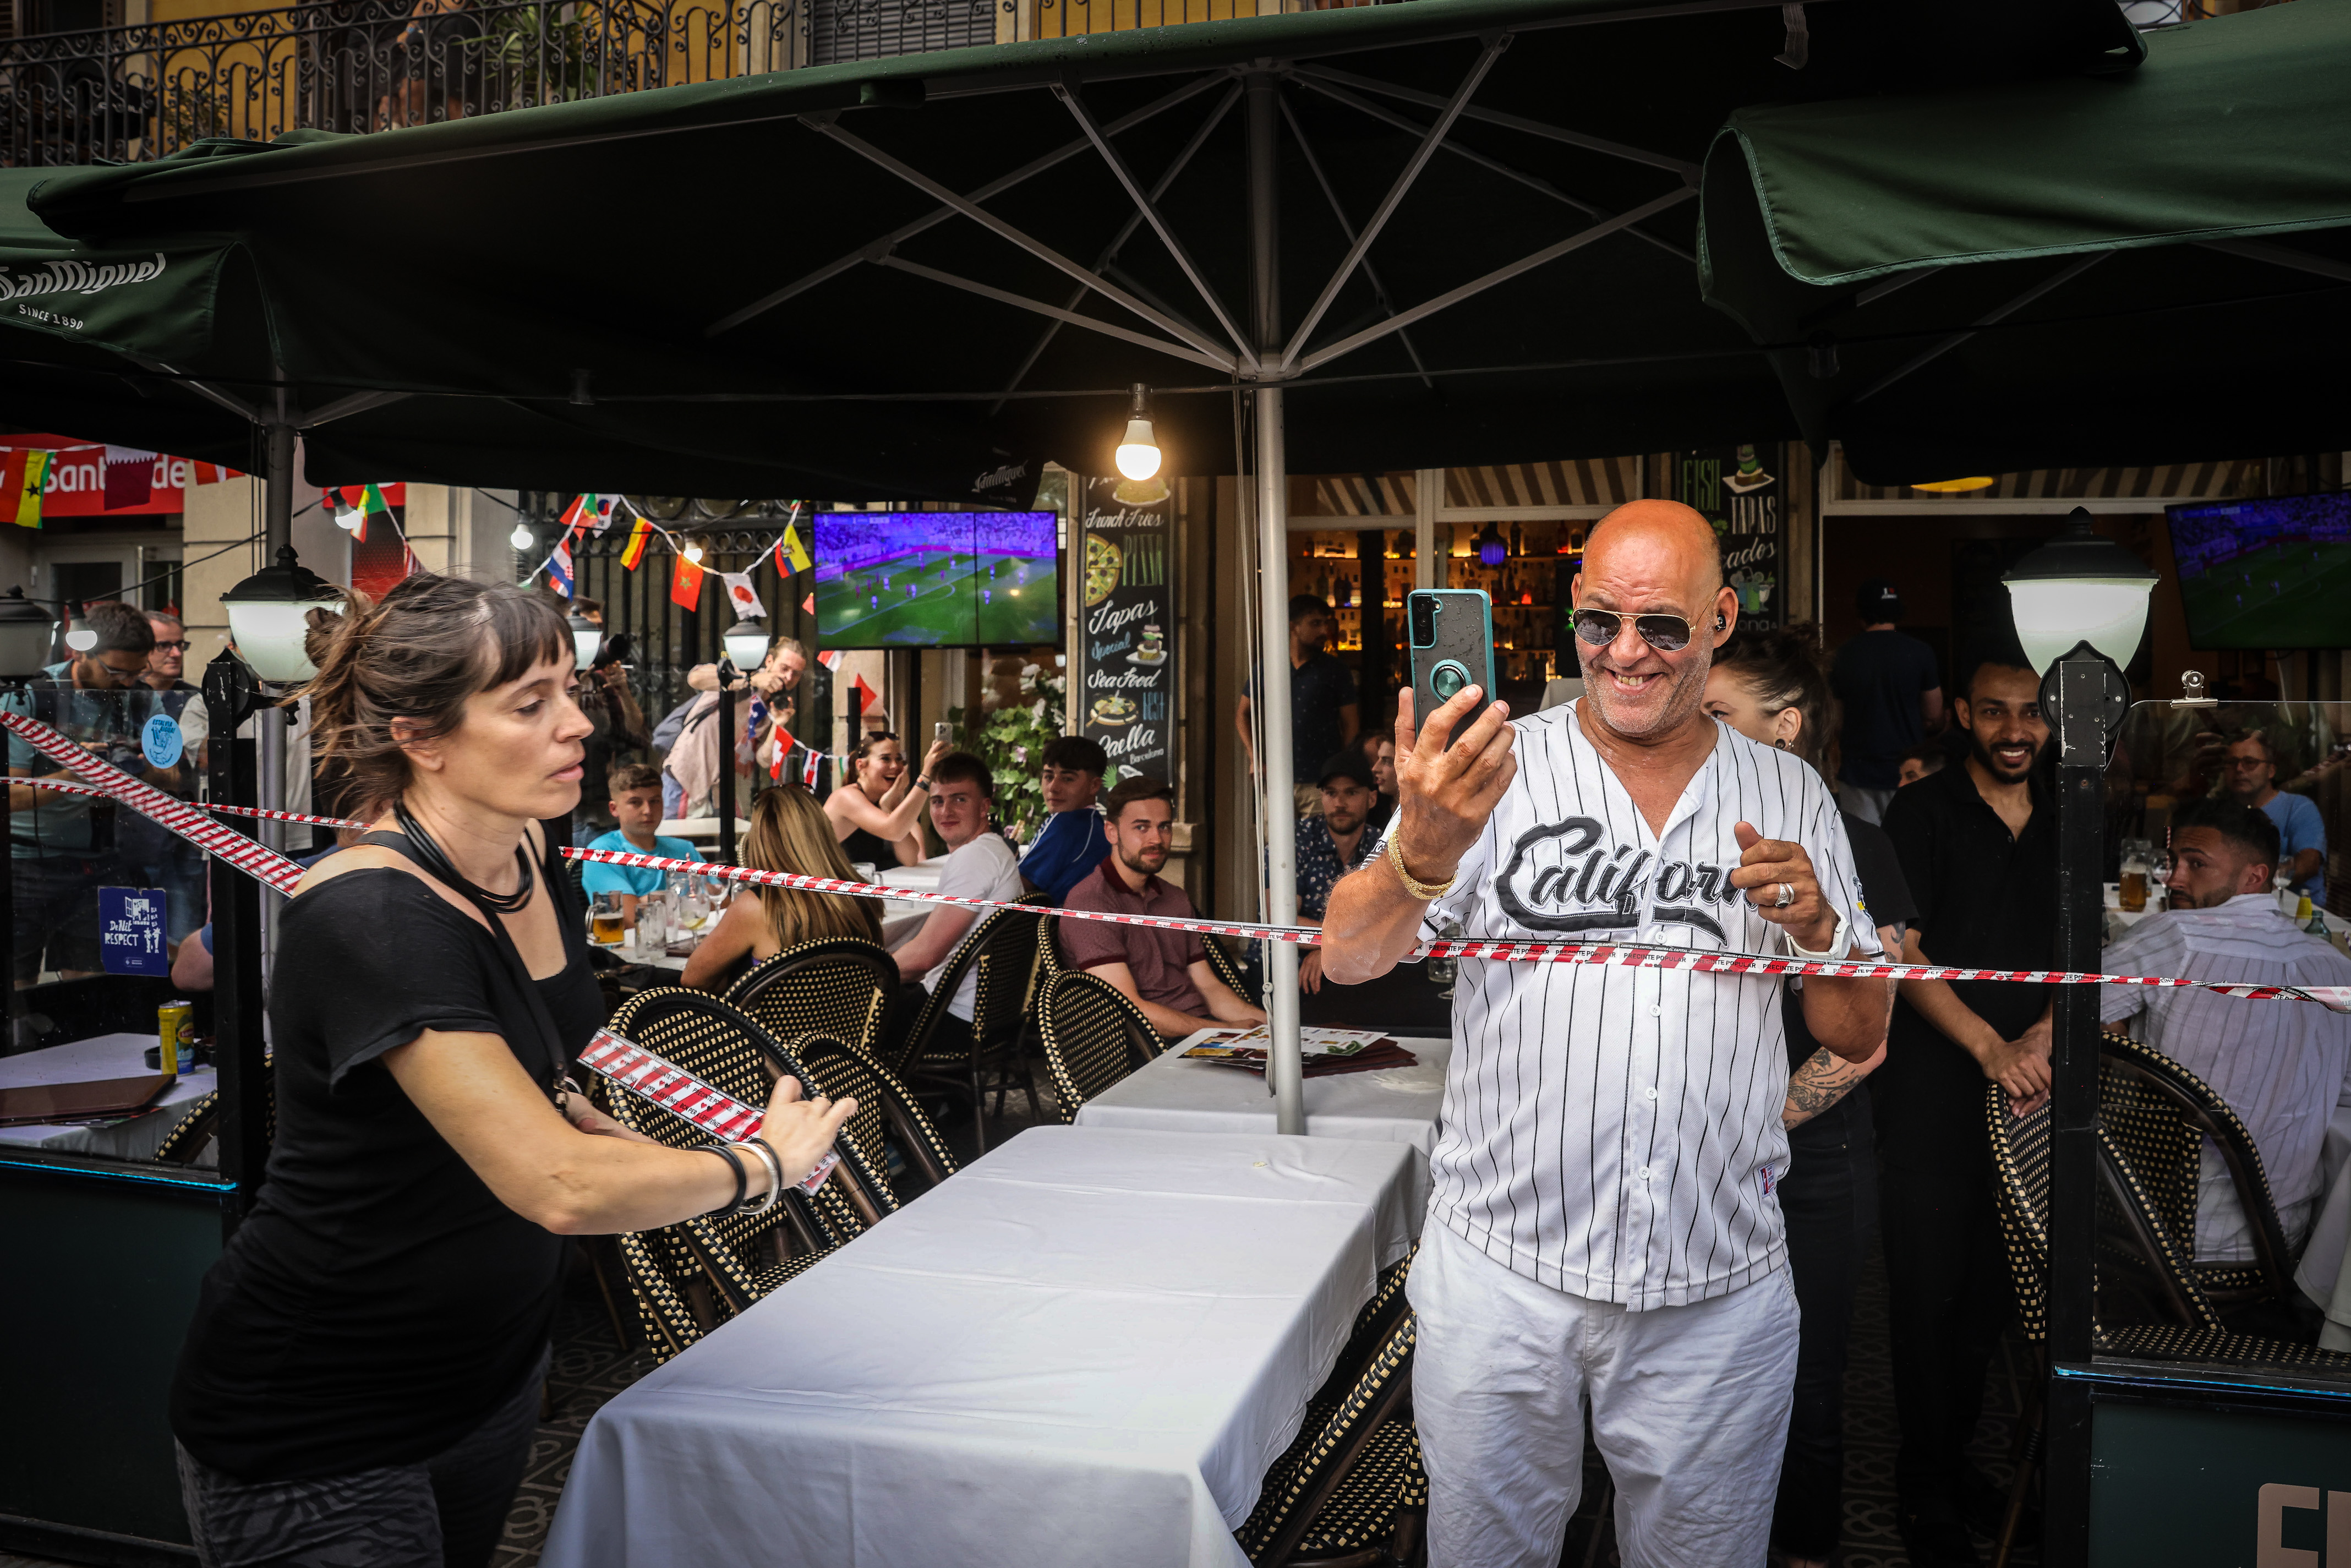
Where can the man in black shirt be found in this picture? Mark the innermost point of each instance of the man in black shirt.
(1323, 715)
(1978, 847)
(1893, 696)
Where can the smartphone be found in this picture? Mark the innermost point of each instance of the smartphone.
(1452, 638)
(939, 730)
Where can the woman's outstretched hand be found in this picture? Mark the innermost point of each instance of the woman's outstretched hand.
(801, 1131)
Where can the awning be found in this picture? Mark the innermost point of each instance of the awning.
(2119, 270)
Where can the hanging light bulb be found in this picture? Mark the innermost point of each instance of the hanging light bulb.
(522, 538)
(693, 553)
(1138, 454)
(79, 636)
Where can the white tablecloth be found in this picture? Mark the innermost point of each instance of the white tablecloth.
(900, 923)
(1084, 1349)
(2324, 1274)
(1394, 1105)
(98, 1057)
(923, 878)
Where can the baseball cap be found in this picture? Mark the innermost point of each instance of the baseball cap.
(1347, 764)
(1877, 601)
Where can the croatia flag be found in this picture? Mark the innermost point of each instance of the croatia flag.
(558, 567)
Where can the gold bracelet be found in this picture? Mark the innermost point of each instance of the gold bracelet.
(1423, 890)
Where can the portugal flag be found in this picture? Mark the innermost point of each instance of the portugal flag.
(685, 588)
(639, 536)
(354, 503)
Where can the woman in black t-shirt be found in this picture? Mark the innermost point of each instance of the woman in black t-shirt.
(364, 1359)
(1770, 688)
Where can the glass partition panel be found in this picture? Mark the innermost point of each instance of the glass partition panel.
(2186, 897)
(102, 902)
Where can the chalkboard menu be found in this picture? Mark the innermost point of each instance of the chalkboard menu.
(1126, 652)
(1742, 491)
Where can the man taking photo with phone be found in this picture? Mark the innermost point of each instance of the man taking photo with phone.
(1602, 1232)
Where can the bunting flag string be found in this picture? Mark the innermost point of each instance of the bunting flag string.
(23, 477)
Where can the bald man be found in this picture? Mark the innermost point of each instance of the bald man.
(1602, 1225)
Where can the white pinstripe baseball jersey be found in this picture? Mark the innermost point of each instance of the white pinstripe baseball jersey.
(1614, 1132)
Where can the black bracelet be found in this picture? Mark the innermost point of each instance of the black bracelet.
(742, 1178)
(923, 782)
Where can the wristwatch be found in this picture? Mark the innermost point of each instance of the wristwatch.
(923, 782)
(1839, 943)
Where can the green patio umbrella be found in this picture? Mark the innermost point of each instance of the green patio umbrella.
(1445, 233)
(2147, 267)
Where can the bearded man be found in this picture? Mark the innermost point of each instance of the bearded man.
(1977, 844)
(1602, 1232)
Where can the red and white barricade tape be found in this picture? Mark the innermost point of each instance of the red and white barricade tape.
(274, 870)
(64, 787)
(1632, 954)
(683, 1096)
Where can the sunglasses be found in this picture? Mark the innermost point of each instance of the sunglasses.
(1666, 634)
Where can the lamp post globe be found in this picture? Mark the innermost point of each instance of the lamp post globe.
(25, 633)
(587, 640)
(746, 644)
(266, 616)
(2079, 588)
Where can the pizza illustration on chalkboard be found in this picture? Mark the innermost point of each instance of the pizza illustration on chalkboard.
(1104, 560)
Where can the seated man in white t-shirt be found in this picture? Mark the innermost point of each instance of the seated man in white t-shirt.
(980, 864)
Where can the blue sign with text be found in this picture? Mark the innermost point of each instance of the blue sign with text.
(131, 931)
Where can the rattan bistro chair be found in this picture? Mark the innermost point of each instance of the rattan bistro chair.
(883, 1107)
(1228, 968)
(2160, 1114)
(201, 1123)
(691, 1276)
(837, 986)
(1350, 1492)
(999, 952)
(1093, 1037)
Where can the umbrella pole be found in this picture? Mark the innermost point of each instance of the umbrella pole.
(1284, 1062)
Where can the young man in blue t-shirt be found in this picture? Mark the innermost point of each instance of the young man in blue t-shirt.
(1071, 842)
(636, 805)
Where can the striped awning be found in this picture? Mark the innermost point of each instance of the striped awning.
(1569, 482)
(2157, 484)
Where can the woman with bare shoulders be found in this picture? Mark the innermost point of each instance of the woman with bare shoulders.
(878, 819)
(789, 831)
(364, 1362)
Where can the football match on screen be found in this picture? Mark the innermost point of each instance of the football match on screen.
(926, 580)
(2271, 573)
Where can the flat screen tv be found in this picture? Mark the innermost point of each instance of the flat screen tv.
(2271, 573)
(938, 579)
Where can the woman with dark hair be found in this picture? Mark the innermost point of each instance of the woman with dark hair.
(362, 1377)
(1769, 687)
(878, 820)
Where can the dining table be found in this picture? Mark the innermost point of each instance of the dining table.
(132, 1137)
(1388, 1105)
(1085, 1347)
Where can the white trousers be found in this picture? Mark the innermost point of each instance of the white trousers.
(1689, 1407)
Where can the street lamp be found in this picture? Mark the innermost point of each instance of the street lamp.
(2080, 604)
(26, 631)
(266, 616)
(1138, 454)
(587, 640)
(746, 645)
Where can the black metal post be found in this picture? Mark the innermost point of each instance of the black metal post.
(2083, 718)
(727, 675)
(230, 694)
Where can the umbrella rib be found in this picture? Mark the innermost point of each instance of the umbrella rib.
(247, 412)
(2281, 256)
(1500, 275)
(343, 407)
(1404, 180)
(1531, 182)
(1148, 209)
(1921, 361)
(1180, 351)
(1005, 231)
(1126, 231)
(1379, 289)
(1686, 169)
(995, 187)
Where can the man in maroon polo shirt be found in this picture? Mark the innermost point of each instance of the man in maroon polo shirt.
(1164, 972)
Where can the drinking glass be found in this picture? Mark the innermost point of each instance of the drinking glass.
(604, 921)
